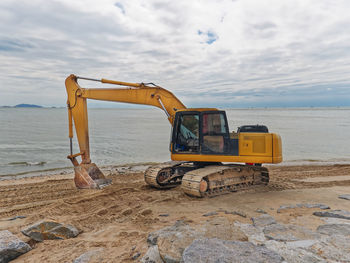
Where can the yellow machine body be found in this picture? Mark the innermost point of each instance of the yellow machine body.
(250, 147)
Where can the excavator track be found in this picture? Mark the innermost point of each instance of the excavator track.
(218, 180)
(162, 176)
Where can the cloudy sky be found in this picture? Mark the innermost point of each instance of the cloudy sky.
(224, 53)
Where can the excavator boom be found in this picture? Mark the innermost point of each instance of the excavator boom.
(87, 174)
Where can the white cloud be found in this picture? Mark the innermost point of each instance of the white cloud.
(269, 51)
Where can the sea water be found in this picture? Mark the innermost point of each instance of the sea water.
(36, 139)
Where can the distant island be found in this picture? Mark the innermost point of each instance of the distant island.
(23, 105)
(27, 106)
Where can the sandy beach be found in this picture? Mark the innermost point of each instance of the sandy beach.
(119, 217)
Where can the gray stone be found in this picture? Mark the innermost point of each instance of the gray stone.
(334, 213)
(173, 240)
(254, 234)
(281, 232)
(260, 211)
(346, 197)
(222, 228)
(90, 256)
(334, 229)
(152, 256)
(263, 220)
(239, 213)
(285, 207)
(320, 206)
(136, 255)
(334, 248)
(11, 246)
(296, 251)
(211, 214)
(216, 250)
(16, 217)
(50, 230)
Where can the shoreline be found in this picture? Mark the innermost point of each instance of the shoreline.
(70, 169)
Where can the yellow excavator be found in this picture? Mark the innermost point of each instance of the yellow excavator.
(200, 143)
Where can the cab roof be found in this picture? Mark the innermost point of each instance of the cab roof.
(199, 109)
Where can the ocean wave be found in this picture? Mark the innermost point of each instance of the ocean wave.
(27, 163)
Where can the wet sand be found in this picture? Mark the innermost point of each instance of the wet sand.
(119, 217)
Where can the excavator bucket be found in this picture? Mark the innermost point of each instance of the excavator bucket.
(89, 176)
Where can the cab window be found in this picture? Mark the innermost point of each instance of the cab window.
(214, 133)
(187, 136)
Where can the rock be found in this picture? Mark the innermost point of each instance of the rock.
(152, 256)
(334, 213)
(90, 256)
(285, 207)
(346, 197)
(320, 206)
(11, 246)
(173, 240)
(164, 215)
(136, 255)
(334, 229)
(239, 213)
(280, 232)
(216, 250)
(263, 220)
(50, 230)
(296, 251)
(333, 248)
(254, 234)
(211, 214)
(222, 228)
(16, 217)
(260, 211)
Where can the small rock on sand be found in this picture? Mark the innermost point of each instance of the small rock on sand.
(334, 213)
(346, 197)
(44, 230)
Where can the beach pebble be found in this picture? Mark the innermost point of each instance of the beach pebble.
(44, 230)
(346, 197)
(11, 246)
(136, 255)
(211, 214)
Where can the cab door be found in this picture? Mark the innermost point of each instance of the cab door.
(186, 133)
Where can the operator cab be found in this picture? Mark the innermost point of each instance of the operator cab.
(202, 131)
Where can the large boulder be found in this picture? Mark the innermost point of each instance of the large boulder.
(217, 250)
(11, 246)
(44, 230)
(172, 241)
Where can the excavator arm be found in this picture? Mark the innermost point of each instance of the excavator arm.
(87, 174)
